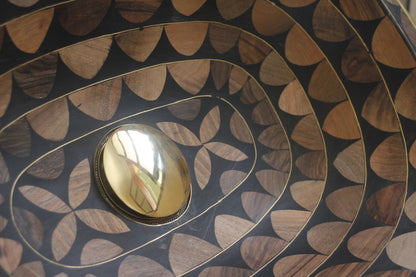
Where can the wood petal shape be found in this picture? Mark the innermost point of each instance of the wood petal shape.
(274, 71)
(137, 11)
(186, 252)
(38, 77)
(412, 155)
(368, 244)
(230, 179)
(102, 221)
(252, 50)
(63, 236)
(345, 202)
(44, 199)
(252, 92)
(325, 237)
(264, 113)
(99, 250)
(11, 254)
(23, 3)
(5, 92)
(86, 59)
(226, 151)
(386, 204)
(256, 251)
(187, 110)
(341, 122)
(410, 207)
(329, 25)
(202, 167)
(389, 159)
(139, 44)
(223, 37)
(344, 270)
(220, 72)
(307, 133)
(81, 17)
(296, 3)
(293, 100)
(224, 271)
(389, 47)
(4, 171)
(272, 181)
(274, 138)
(313, 165)
(269, 20)
(357, 65)
(288, 223)
(187, 37)
(279, 160)
(3, 223)
(402, 250)
(100, 101)
(230, 9)
(29, 226)
(179, 133)
(229, 229)
(147, 84)
(362, 10)
(405, 100)
(307, 193)
(16, 139)
(135, 265)
(49, 167)
(256, 204)
(325, 85)
(190, 75)
(350, 162)
(210, 125)
(50, 121)
(79, 184)
(238, 78)
(239, 128)
(300, 49)
(33, 269)
(187, 7)
(28, 32)
(297, 265)
(390, 273)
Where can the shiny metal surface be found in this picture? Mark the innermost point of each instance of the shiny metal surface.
(142, 174)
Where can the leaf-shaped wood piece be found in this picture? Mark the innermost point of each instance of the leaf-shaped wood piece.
(134, 265)
(11, 254)
(44, 199)
(256, 204)
(187, 37)
(147, 84)
(63, 236)
(29, 226)
(307, 193)
(279, 160)
(16, 139)
(230, 9)
(223, 37)
(293, 100)
(137, 11)
(345, 202)
(4, 171)
(287, 223)
(99, 101)
(329, 25)
(274, 71)
(256, 251)
(210, 125)
(6, 83)
(296, 3)
(300, 49)
(179, 133)
(345, 269)
(368, 244)
(230, 179)
(187, 7)
(23, 3)
(405, 100)
(252, 50)
(38, 77)
(49, 167)
(238, 78)
(252, 92)
(102, 221)
(190, 75)
(79, 183)
(341, 122)
(51, 121)
(86, 59)
(224, 271)
(389, 159)
(81, 17)
(202, 167)
(3, 223)
(32, 269)
(410, 207)
(264, 113)
(313, 165)
(239, 128)
(28, 32)
(362, 10)
(307, 133)
(187, 110)
(99, 250)
(391, 273)
(389, 47)
(268, 19)
(402, 251)
(274, 138)
(272, 181)
(351, 164)
(412, 155)
(386, 204)
(139, 44)
(325, 237)
(220, 72)
(226, 151)
(229, 229)
(297, 265)
(186, 252)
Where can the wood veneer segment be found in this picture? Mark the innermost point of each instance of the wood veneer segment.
(351, 164)
(239, 129)
(202, 168)
(313, 165)
(256, 204)
(23, 3)
(226, 151)
(390, 273)
(31, 268)
(190, 75)
(223, 271)
(12, 254)
(98, 250)
(410, 207)
(362, 10)
(229, 229)
(252, 92)
(223, 37)
(293, 99)
(264, 114)
(345, 202)
(4, 171)
(187, 37)
(63, 236)
(3, 223)
(279, 160)
(238, 78)
(44, 199)
(307, 133)
(307, 193)
(6, 83)
(137, 11)
(220, 72)
(187, 7)
(134, 265)
(325, 237)
(344, 270)
(102, 221)
(252, 50)
(268, 19)
(287, 223)
(296, 3)
(274, 138)
(230, 9)
(16, 139)
(402, 251)
(49, 167)
(187, 110)
(341, 122)
(297, 265)
(147, 84)
(274, 71)
(405, 100)
(30, 226)
(210, 125)
(230, 179)
(179, 133)
(272, 181)
(79, 184)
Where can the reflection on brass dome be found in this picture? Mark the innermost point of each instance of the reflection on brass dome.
(142, 174)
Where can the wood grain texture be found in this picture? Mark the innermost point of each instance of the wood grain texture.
(230, 9)
(296, 3)
(34, 269)
(297, 265)
(220, 72)
(30, 227)
(238, 78)
(279, 160)
(224, 271)
(4, 171)
(256, 204)
(402, 251)
(11, 254)
(410, 207)
(187, 37)
(307, 133)
(293, 100)
(345, 202)
(44, 199)
(307, 193)
(274, 138)
(49, 167)
(252, 50)
(268, 19)
(252, 92)
(190, 75)
(229, 229)
(325, 237)
(264, 114)
(16, 139)
(230, 179)
(223, 37)
(313, 165)
(405, 100)
(272, 181)
(179, 133)
(3, 223)
(28, 32)
(287, 223)
(102, 221)
(239, 129)
(23, 3)
(6, 83)
(351, 164)
(98, 250)
(362, 10)
(210, 125)
(274, 71)
(226, 151)
(341, 122)
(79, 184)
(187, 110)
(187, 7)
(390, 273)
(412, 155)
(202, 168)
(63, 236)
(134, 265)
(147, 84)
(137, 11)
(344, 270)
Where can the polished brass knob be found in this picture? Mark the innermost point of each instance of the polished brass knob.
(142, 174)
